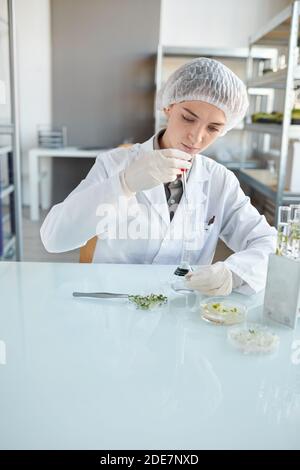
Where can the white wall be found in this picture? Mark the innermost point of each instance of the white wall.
(215, 23)
(34, 74)
(103, 76)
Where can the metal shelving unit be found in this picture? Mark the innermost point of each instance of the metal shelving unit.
(276, 80)
(11, 246)
(282, 32)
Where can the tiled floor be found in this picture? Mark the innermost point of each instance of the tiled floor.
(35, 251)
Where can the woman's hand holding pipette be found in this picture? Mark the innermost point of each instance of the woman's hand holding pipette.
(155, 167)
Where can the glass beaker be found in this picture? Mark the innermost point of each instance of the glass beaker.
(294, 234)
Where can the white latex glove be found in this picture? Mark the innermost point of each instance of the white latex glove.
(155, 167)
(213, 279)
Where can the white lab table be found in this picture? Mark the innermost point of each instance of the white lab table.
(34, 156)
(98, 374)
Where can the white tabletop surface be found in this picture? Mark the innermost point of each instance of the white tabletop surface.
(98, 374)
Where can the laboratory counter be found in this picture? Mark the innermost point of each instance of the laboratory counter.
(80, 373)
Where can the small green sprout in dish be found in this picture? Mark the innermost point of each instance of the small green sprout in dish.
(221, 308)
(216, 306)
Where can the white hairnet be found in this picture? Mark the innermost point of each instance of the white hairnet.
(206, 80)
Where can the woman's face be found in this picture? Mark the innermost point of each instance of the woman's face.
(192, 126)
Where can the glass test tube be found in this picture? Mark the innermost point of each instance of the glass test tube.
(179, 283)
(284, 217)
(294, 234)
(294, 208)
(185, 256)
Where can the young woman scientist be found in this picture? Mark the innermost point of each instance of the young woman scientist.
(138, 190)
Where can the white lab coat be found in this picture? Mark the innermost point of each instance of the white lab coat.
(213, 191)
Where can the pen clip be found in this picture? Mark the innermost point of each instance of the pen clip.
(211, 220)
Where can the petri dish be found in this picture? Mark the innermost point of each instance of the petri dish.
(221, 311)
(253, 338)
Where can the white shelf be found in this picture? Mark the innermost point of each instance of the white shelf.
(266, 183)
(198, 51)
(238, 165)
(260, 180)
(273, 79)
(276, 31)
(6, 129)
(238, 52)
(274, 129)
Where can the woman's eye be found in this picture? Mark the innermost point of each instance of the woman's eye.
(213, 129)
(187, 119)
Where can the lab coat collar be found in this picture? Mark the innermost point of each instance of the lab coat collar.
(148, 144)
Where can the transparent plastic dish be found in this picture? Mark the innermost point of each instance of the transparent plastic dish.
(222, 311)
(253, 338)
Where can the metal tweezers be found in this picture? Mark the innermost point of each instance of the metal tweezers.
(101, 295)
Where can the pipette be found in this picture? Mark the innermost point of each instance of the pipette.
(184, 266)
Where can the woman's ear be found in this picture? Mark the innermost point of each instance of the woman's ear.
(167, 112)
